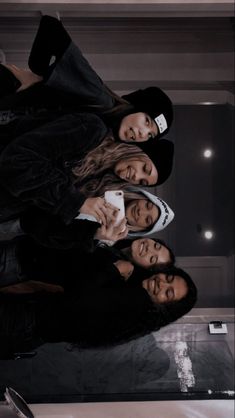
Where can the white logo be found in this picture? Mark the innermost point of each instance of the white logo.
(161, 123)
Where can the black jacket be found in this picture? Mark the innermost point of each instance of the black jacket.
(99, 309)
(67, 268)
(34, 167)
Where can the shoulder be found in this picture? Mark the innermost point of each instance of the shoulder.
(90, 121)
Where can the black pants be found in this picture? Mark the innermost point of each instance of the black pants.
(18, 329)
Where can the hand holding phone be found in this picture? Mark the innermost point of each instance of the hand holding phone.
(116, 198)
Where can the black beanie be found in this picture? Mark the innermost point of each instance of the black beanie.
(156, 104)
(161, 153)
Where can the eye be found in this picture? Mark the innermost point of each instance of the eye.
(147, 120)
(149, 205)
(147, 168)
(153, 260)
(149, 221)
(170, 278)
(157, 245)
(170, 294)
(144, 183)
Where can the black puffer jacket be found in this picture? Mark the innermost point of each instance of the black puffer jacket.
(33, 168)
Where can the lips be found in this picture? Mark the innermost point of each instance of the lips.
(131, 134)
(152, 286)
(134, 213)
(141, 248)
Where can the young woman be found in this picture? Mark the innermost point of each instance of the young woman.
(61, 165)
(23, 259)
(145, 213)
(72, 83)
(103, 310)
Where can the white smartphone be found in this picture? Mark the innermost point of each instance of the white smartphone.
(116, 198)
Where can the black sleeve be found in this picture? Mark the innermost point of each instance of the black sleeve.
(29, 167)
(50, 232)
(51, 40)
(98, 318)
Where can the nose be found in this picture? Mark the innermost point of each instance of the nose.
(144, 133)
(141, 213)
(136, 177)
(162, 284)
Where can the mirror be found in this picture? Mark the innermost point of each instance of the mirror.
(192, 59)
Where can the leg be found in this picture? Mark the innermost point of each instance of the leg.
(51, 40)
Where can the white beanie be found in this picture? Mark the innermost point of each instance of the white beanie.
(166, 213)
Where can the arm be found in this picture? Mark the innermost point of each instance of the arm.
(31, 286)
(29, 167)
(50, 231)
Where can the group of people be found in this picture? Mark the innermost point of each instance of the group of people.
(66, 138)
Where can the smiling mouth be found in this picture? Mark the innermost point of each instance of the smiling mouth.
(131, 134)
(141, 248)
(134, 213)
(152, 286)
(128, 173)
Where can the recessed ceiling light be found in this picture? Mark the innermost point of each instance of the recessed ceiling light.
(207, 103)
(207, 153)
(208, 234)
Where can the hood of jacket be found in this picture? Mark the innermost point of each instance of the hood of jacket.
(166, 213)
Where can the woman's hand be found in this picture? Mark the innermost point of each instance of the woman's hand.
(102, 211)
(111, 232)
(26, 77)
(125, 268)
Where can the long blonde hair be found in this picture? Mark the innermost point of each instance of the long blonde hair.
(95, 172)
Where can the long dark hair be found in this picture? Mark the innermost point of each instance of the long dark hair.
(170, 312)
(160, 315)
(155, 317)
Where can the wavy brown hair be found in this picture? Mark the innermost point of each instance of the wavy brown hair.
(98, 166)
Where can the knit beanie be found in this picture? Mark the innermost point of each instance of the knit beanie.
(156, 104)
(161, 153)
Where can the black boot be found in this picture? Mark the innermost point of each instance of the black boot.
(51, 40)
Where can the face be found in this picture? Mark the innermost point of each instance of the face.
(141, 171)
(141, 213)
(163, 288)
(146, 252)
(137, 127)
